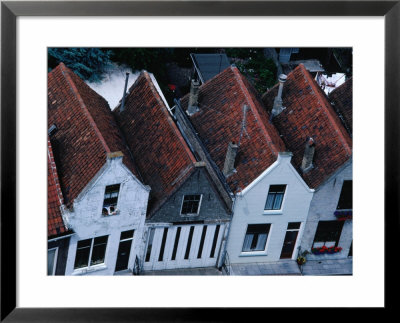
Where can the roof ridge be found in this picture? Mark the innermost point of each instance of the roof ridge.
(65, 71)
(331, 117)
(341, 85)
(169, 119)
(247, 95)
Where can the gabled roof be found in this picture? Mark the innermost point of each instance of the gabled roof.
(220, 120)
(308, 113)
(163, 157)
(342, 101)
(209, 65)
(86, 131)
(55, 224)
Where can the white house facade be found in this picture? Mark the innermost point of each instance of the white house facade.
(269, 215)
(330, 221)
(108, 220)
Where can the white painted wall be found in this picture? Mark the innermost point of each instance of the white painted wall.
(322, 208)
(87, 220)
(249, 209)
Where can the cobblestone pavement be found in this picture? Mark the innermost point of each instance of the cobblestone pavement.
(328, 267)
(289, 267)
(207, 271)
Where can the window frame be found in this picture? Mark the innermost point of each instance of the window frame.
(109, 205)
(198, 207)
(340, 196)
(322, 243)
(256, 252)
(55, 260)
(89, 260)
(272, 210)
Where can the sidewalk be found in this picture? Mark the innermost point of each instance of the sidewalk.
(288, 267)
(207, 271)
(328, 267)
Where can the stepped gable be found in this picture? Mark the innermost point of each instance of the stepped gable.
(308, 113)
(86, 132)
(220, 120)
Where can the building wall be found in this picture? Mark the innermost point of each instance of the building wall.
(249, 209)
(212, 213)
(87, 220)
(322, 208)
(62, 246)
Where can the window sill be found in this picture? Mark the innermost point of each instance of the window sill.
(253, 253)
(87, 270)
(272, 212)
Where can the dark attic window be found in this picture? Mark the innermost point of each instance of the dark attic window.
(110, 199)
(346, 196)
(190, 204)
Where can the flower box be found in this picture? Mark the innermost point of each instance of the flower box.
(326, 250)
(343, 215)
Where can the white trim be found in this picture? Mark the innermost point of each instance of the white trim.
(62, 237)
(198, 208)
(55, 260)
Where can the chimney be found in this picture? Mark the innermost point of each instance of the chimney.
(278, 108)
(193, 105)
(123, 96)
(230, 159)
(306, 164)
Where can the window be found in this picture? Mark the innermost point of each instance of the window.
(275, 197)
(346, 196)
(90, 252)
(256, 237)
(51, 261)
(191, 204)
(110, 199)
(328, 234)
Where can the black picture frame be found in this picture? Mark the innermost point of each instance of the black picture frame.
(10, 10)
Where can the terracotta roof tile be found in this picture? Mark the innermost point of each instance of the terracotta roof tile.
(163, 157)
(308, 113)
(219, 121)
(87, 131)
(342, 101)
(55, 222)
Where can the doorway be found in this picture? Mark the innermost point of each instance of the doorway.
(290, 240)
(124, 250)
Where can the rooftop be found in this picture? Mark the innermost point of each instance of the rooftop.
(230, 111)
(86, 132)
(308, 113)
(163, 157)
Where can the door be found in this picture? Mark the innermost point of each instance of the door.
(290, 240)
(124, 250)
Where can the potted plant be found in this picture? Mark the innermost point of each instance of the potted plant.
(301, 258)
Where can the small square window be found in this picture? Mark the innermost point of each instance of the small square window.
(275, 197)
(256, 237)
(110, 199)
(191, 204)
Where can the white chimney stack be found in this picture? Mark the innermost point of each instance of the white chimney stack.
(306, 164)
(278, 108)
(193, 105)
(230, 158)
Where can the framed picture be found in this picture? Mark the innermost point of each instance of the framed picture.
(175, 24)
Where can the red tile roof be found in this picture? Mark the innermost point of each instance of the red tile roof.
(86, 133)
(163, 157)
(55, 224)
(308, 113)
(342, 101)
(219, 121)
